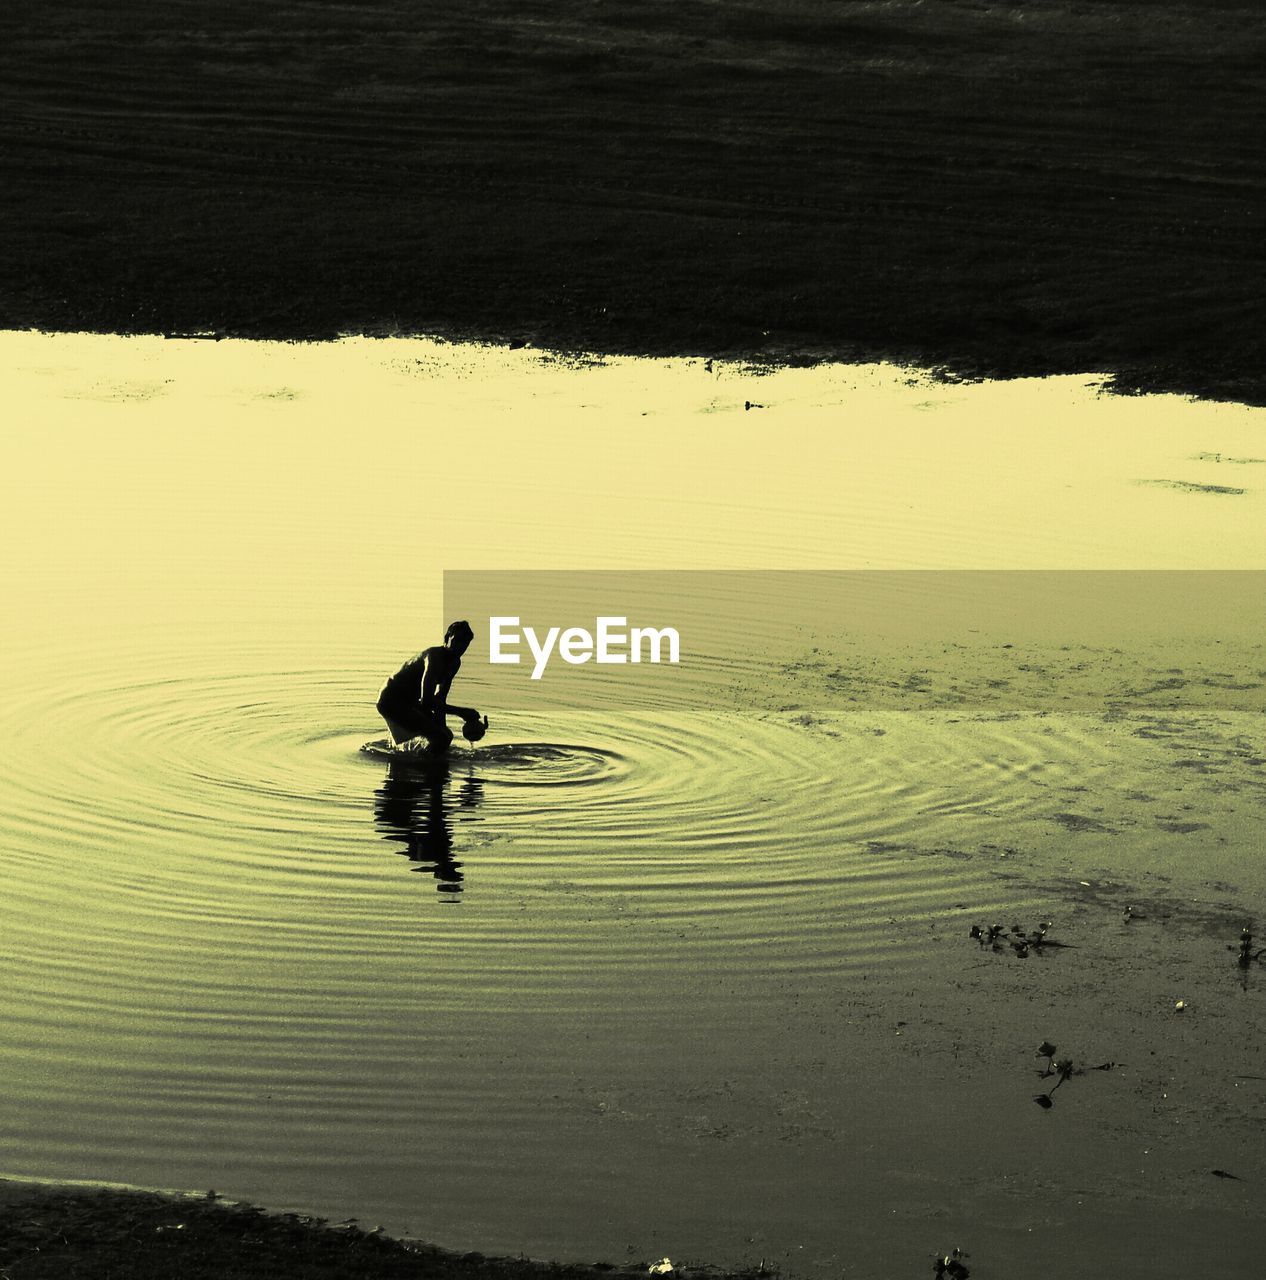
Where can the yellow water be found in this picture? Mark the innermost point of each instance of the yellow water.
(628, 978)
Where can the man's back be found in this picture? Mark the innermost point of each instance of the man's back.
(426, 674)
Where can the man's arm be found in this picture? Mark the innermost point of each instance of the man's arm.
(437, 678)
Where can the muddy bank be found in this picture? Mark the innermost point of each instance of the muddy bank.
(53, 1232)
(995, 189)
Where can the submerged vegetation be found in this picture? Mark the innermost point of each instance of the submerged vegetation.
(951, 1265)
(1247, 953)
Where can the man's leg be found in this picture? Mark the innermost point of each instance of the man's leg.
(400, 730)
(407, 723)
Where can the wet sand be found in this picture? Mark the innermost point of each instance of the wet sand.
(1003, 189)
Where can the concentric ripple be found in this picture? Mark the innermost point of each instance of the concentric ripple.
(241, 813)
(234, 920)
(527, 764)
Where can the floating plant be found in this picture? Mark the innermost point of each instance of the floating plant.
(1061, 1069)
(1021, 941)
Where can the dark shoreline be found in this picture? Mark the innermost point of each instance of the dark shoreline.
(49, 1232)
(1004, 190)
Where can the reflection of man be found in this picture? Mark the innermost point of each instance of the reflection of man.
(412, 806)
(414, 702)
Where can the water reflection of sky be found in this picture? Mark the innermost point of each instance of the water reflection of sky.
(163, 471)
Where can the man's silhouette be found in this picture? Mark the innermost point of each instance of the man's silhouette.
(414, 702)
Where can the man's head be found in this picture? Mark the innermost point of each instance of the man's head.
(458, 637)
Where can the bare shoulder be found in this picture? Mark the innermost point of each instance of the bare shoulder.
(420, 661)
(438, 658)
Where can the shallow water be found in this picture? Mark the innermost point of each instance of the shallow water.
(624, 977)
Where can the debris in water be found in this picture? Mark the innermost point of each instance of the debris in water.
(663, 1267)
(952, 1265)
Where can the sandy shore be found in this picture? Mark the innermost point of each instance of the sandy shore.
(48, 1232)
(997, 189)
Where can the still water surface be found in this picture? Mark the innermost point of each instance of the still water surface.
(586, 992)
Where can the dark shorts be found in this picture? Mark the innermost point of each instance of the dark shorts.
(407, 719)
